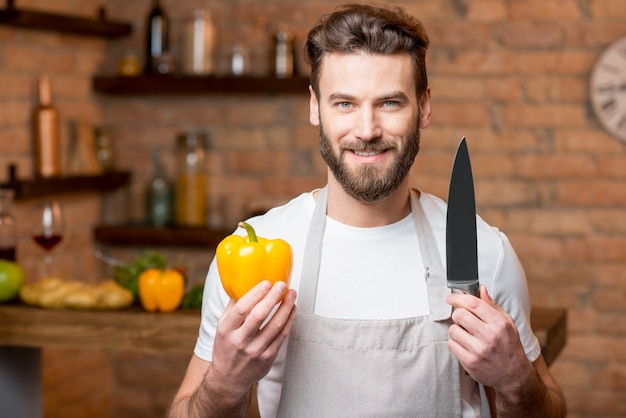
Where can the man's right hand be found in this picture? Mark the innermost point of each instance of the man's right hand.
(249, 336)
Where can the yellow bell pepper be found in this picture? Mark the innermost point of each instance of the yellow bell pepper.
(243, 262)
(161, 290)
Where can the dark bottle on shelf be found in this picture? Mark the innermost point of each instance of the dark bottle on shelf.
(157, 40)
(8, 231)
(159, 196)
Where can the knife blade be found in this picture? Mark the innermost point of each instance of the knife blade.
(461, 241)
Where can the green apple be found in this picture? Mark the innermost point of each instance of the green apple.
(11, 280)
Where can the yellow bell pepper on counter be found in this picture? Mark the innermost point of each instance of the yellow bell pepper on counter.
(243, 262)
(161, 289)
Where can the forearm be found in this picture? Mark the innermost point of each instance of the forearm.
(211, 399)
(532, 397)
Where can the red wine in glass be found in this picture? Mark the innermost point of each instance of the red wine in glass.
(48, 231)
(47, 242)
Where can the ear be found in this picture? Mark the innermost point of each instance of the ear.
(425, 109)
(314, 109)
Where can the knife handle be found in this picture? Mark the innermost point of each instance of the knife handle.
(467, 288)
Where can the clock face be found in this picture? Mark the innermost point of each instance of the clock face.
(608, 89)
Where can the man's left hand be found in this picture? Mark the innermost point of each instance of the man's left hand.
(485, 340)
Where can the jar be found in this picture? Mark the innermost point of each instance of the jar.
(7, 226)
(191, 180)
(199, 42)
(283, 53)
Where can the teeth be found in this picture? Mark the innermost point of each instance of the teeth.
(366, 154)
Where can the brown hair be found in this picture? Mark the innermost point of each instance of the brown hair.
(378, 30)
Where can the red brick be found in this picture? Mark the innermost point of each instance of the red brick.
(486, 11)
(504, 89)
(457, 88)
(541, 116)
(530, 34)
(608, 9)
(550, 10)
(554, 166)
(565, 62)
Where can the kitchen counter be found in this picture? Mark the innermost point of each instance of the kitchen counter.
(25, 330)
(176, 332)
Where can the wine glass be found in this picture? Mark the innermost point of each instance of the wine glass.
(48, 233)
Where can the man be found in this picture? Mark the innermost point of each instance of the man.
(369, 337)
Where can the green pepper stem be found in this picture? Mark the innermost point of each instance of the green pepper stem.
(250, 230)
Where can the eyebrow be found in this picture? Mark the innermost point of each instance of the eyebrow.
(396, 95)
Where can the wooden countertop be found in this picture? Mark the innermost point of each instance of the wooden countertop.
(165, 333)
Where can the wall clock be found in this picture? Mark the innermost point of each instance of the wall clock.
(608, 88)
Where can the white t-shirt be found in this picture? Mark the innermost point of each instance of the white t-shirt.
(353, 262)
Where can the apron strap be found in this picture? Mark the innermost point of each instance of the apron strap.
(433, 266)
(312, 255)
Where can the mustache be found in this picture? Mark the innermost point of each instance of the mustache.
(378, 144)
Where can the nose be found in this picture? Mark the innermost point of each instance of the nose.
(366, 124)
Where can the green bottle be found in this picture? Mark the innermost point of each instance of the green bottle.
(159, 196)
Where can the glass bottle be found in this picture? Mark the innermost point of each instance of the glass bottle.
(283, 58)
(157, 38)
(199, 43)
(46, 132)
(8, 231)
(191, 182)
(159, 196)
(104, 149)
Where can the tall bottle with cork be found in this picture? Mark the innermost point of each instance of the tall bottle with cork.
(46, 132)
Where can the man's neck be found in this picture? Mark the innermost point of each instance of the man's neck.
(345, 209)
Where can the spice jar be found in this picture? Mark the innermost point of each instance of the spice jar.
(191, 182)
(283, 53)
(7, 226)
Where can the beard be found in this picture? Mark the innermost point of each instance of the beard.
(371, 183)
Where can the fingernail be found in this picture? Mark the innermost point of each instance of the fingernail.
(266, 285)
(280, 287)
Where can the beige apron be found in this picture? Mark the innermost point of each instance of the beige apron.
(371, 368)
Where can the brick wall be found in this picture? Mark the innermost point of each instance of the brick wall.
(510, 75)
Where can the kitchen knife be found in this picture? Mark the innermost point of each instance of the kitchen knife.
(461, 245)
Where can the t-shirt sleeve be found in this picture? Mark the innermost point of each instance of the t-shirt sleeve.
(214, 301)
(510, 290)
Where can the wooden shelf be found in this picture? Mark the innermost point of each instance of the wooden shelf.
(33, 19)
(198, 85)
(142, 235)
(33, 188)
(130, 329)
(176, 332)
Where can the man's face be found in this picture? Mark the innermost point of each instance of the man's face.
(369, 120)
